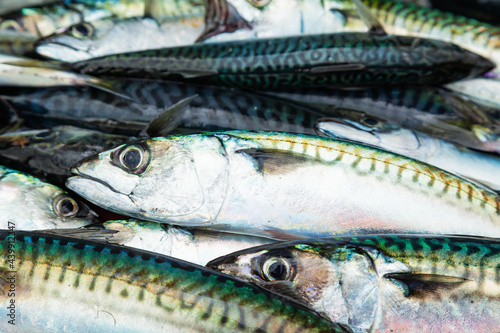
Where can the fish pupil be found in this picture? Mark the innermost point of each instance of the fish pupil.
(132, 159)
(370, 121)
(67, 207)
(277, 271)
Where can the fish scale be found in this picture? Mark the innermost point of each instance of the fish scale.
(113, 288)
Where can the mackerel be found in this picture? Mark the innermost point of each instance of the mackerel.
(282, 186)
(65, 284)
(342, 59)
(390, 283)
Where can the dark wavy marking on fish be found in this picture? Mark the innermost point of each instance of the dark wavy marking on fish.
(342, 59)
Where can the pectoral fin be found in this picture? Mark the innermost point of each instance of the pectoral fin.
(374, 26)
(92, 234)
(277, 161)
(425, 285)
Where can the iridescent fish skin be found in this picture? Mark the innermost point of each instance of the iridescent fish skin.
(408, 19)
(434, 111)
(33, 204)
(470, 164)
(282, 186)
(211, 109)
(387, 283)
(50, 153)
(68, 284)
(342, 59)
(198, 246)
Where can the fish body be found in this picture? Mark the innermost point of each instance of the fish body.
(408, 19)
(470, 164)
(386, 283)
(282, 186)
(342, 59)
(66, 284)
(31, 204)
(50, 153)
(210, 109)
(434, 111)
(198, 246)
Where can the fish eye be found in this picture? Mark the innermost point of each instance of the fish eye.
(276, 268)
(43, 135)
(368, 121)
(82, 30)
(259, 3)
(133, 158)
(65, 206)
(10, 25)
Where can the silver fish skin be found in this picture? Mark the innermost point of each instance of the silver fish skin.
(65, 284)
(386, 283)
(32, 204)
(198, 246)
(282, 186)
(24, 72)
(112, 36)
(470, 164)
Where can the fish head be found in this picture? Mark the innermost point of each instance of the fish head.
(369, 130)
(75, 43)
(334, 279)
(177, 179)
(32, 204)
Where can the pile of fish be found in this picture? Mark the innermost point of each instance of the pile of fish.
(249, 165)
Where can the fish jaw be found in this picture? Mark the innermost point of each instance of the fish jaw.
(181, 180)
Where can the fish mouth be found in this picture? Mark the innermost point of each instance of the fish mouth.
(92, 179)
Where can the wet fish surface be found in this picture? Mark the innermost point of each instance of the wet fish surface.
(342, 59)
(209, 109)
(387, 283)
(434, 111)
(282, 186)
(198, 246)
(470, 164)
(32, 204)
(117, 289)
